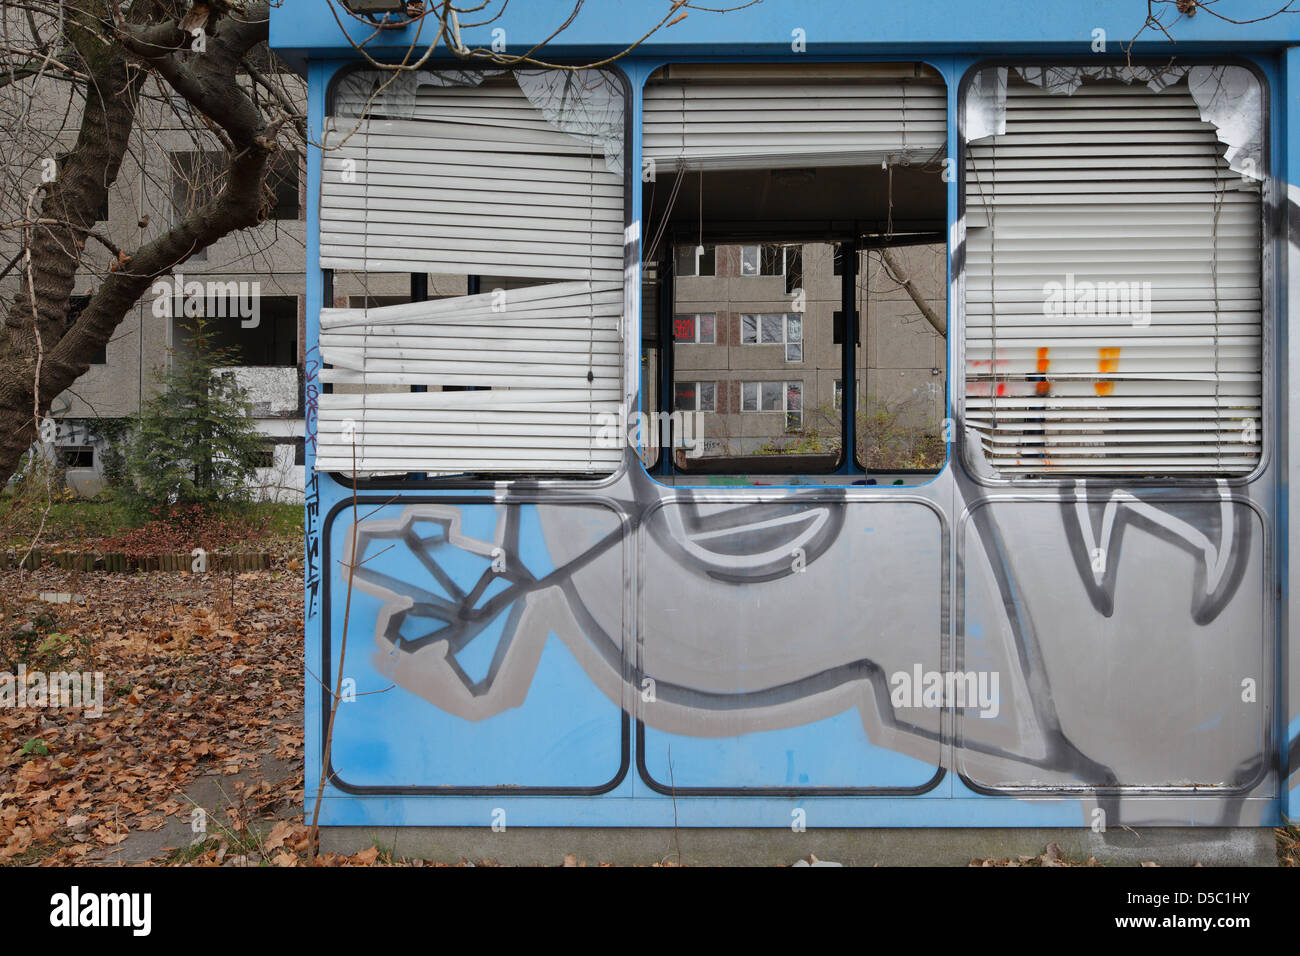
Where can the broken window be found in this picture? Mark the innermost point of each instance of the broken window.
(504, 189)
(1113, 285)
(246, 330)
(77, 456)
(791, 176)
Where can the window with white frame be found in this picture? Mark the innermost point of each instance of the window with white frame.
(695, 396)
(774, 328)
(694, 260)
(698, 329)
(769, 259)
(784, 397)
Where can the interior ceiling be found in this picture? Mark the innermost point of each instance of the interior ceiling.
(827, 201)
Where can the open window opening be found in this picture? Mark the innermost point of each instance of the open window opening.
(794, 277)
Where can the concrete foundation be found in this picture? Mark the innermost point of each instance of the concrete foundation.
(547, 846)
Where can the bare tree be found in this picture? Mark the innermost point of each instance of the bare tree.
(106, 71)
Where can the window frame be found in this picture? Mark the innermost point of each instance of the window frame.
(698, 327)
(696, 392)
(1268, 292)
(711, 251)
(64, 450)
(472, 480)
(785, 341)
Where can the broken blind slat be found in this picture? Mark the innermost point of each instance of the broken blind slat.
(750, 124)
(1112, 288)
(544, 360)
(514, 178)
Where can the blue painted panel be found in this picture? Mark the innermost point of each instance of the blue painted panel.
(562, 734)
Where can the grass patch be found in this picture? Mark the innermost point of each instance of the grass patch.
(188, 854)
(104, 523)
(69, 519)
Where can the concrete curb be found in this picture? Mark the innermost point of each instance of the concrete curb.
(546, 846)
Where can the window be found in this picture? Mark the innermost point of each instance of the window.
(77, 456)
(264, 457)
(695, 396)
(271, 341)
(793, 269)
(1114, 357)
(771, 259)
(782, 328)
(197, 178)
(700, 329)
(788, 170)
(519, 364)
(282, 179)
(784, 397)
(695, 260)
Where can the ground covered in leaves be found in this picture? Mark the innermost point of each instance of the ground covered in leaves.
(202, 674)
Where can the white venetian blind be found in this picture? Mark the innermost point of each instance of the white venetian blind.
(731, 119)
(528, 356)
(475, 181)
(1112, 287)
(514, 178)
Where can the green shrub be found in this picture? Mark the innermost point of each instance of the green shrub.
(193, 443)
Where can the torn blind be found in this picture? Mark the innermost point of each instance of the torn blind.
(747, 122)
(515, 178)
(527, 355)
(477, 179)
(1112, 285)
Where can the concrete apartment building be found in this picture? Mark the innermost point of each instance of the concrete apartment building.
(249, 286)
(766, 374)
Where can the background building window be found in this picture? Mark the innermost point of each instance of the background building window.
(779, 328)
(77, 456)
(695, 260)
(700, 329)
(695, 396)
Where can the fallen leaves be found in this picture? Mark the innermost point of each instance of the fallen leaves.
(1052, 855)
(187, 692)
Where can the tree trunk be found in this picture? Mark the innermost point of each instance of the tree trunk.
(117, 71)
